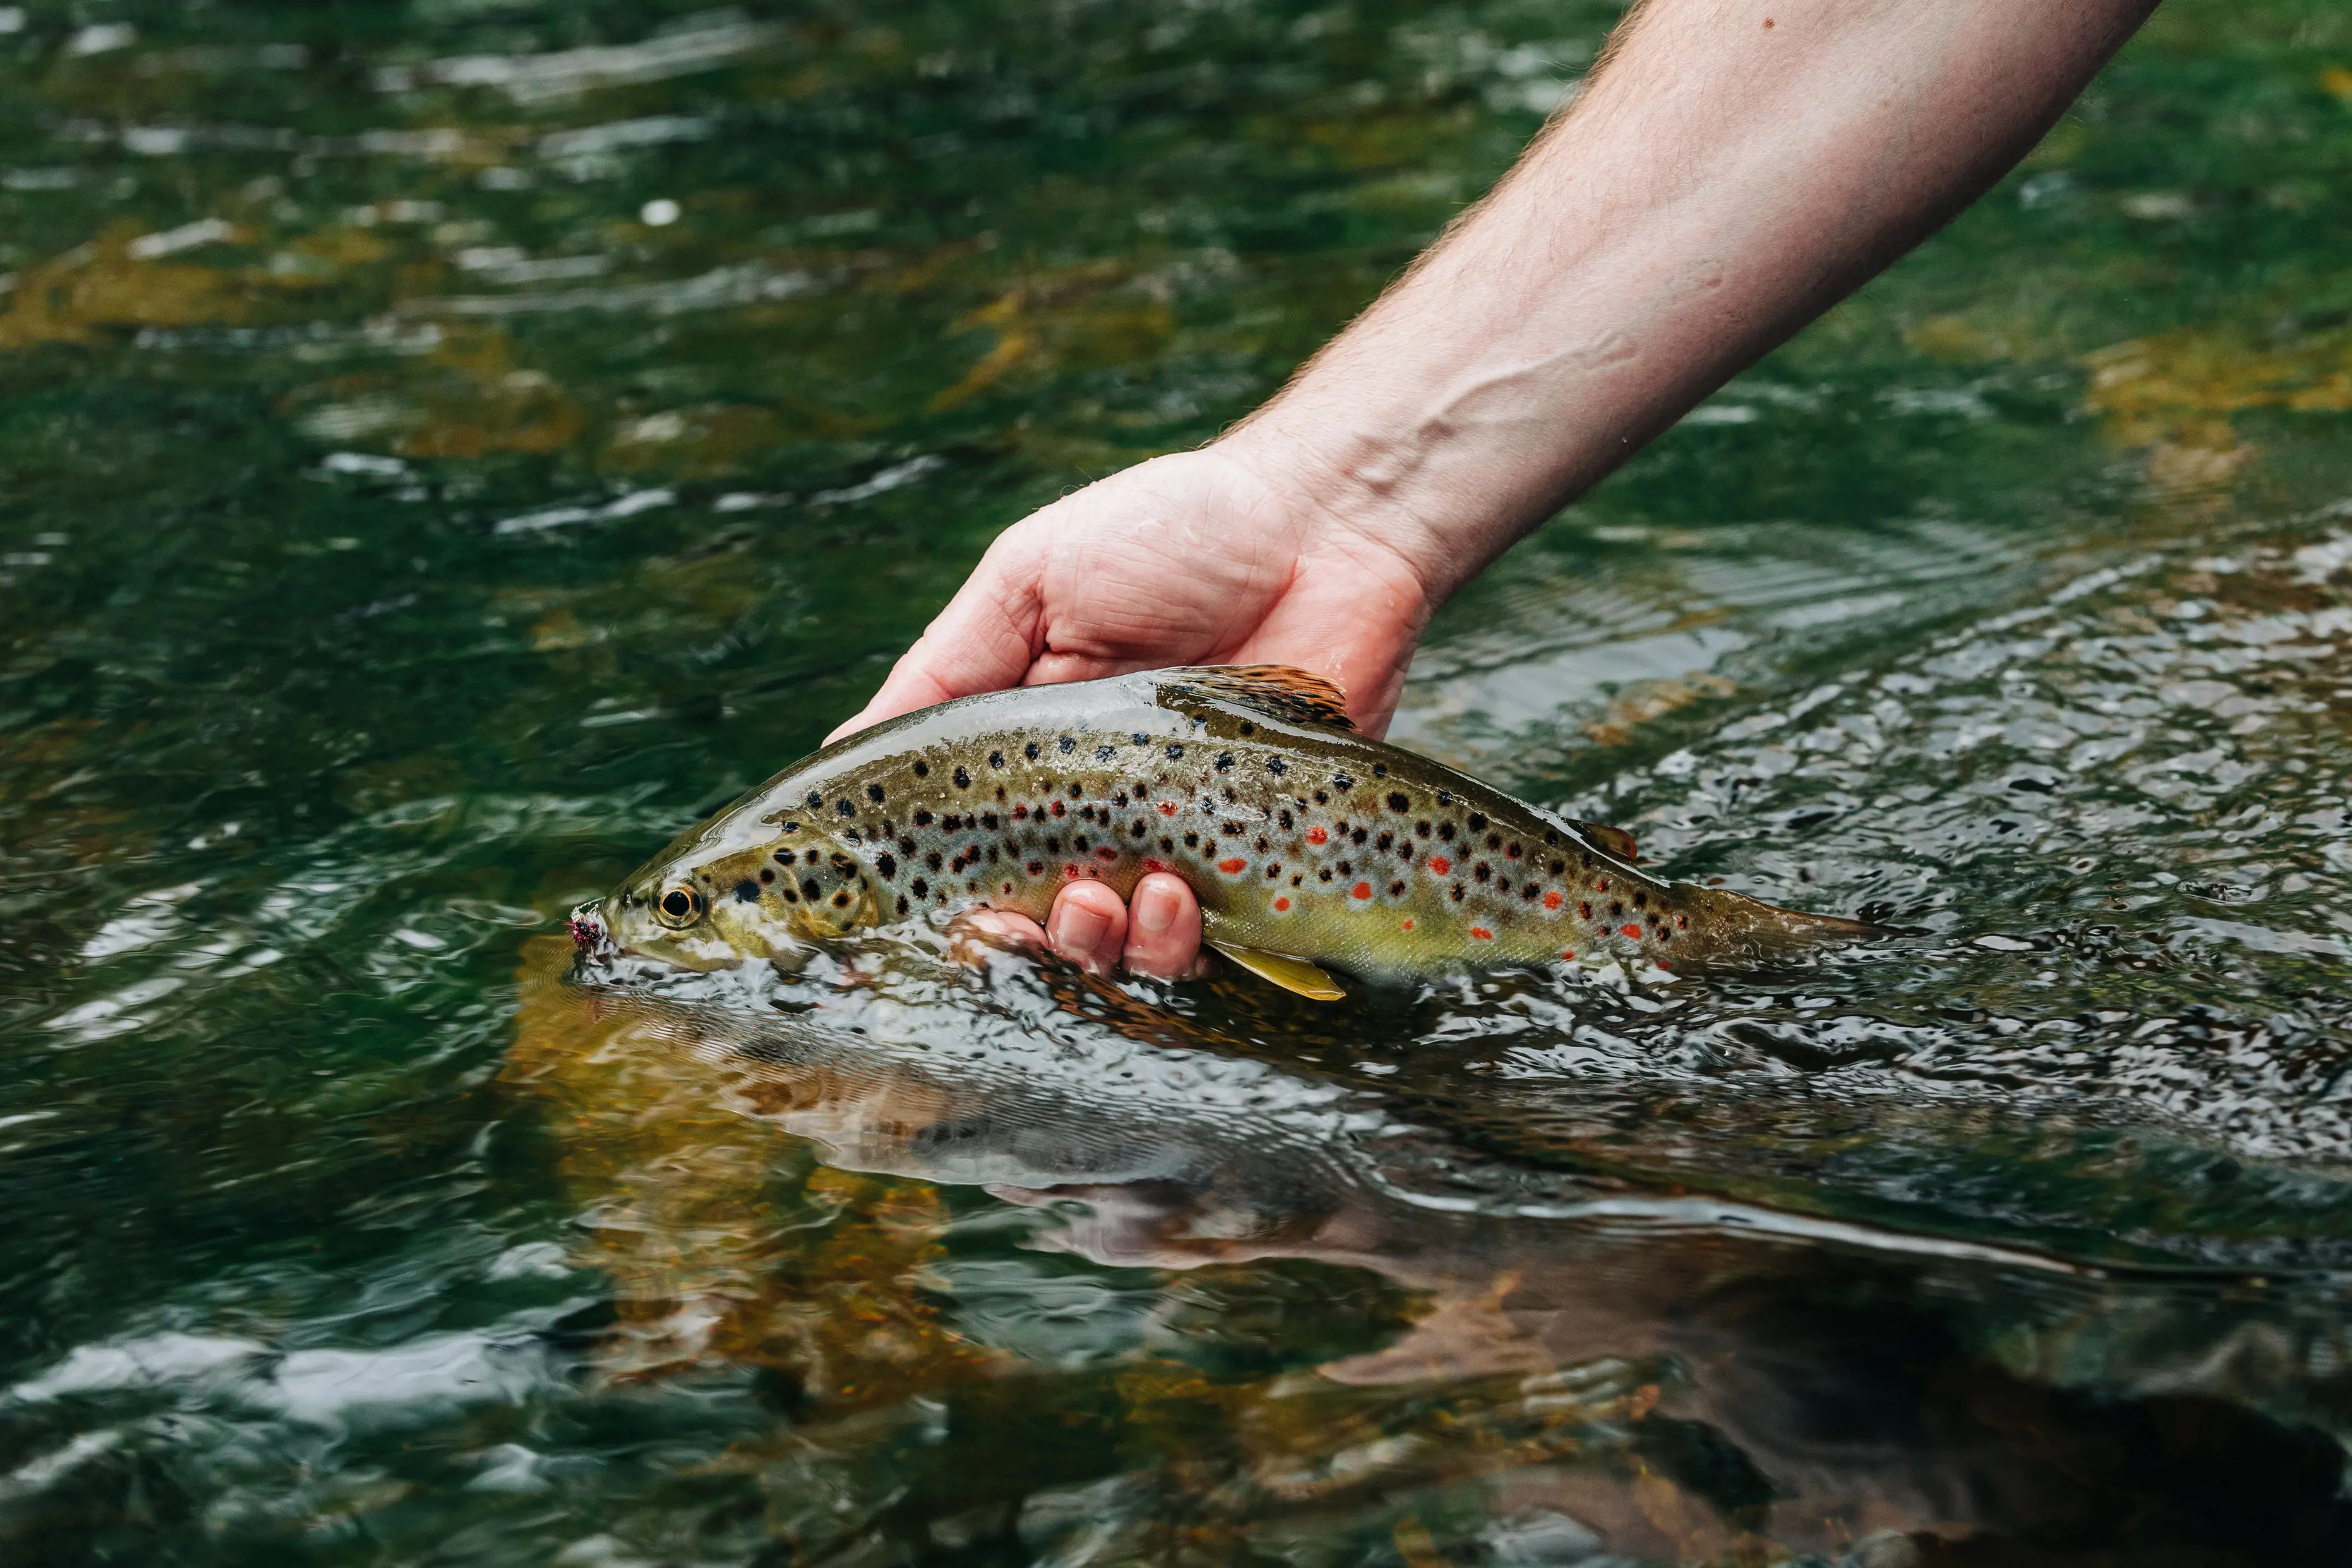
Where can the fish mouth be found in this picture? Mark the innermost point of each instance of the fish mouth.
(590, 937)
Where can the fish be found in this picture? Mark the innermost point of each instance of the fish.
(1313, 848)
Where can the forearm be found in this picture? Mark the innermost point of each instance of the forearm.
(1734, 167)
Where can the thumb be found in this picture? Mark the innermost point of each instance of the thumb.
(984, 640)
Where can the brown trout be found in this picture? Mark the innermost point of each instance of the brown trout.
(1312, 846)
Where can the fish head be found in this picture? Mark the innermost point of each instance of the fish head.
(747, 886)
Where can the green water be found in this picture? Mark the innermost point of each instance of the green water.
(446, 448)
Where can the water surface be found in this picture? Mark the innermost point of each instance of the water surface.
(444, 448)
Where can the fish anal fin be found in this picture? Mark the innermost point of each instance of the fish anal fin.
(1278, 691)
(1613, 841)
(1291, 973)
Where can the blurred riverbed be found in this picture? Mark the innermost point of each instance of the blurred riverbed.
(445, 447)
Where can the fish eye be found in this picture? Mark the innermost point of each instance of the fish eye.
(678, 907)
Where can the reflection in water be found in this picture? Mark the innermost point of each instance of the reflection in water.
(1594, 1377)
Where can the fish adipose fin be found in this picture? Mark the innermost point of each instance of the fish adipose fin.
(1616, 841)
(1291, 973)
(1278, 691)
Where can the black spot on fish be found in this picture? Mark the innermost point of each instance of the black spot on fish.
(1076, 791)
(1395, 889)
(790, 896)
(1273, 871)
(1276, 766)
(1053, 844)
(1384, 842)
(1323, 876)
(1343, 781)
(1167, 845)
(846, 808)
(1421, 828)
(1191, 840)
(1035, 867)
(1225, 761)
(1175, 751)
(1445, 832)
(988, 821)
(1481, 871)
(1583, 910)
(1105, 753)
(1347, 870)
(816, 800)
(785, 857)
(874, 793)
(902, 903)
(1550, 837)
(996, 759)
(747, 892)
(1616, 910)
(922, 889)
(887, 864)
(906, 848)
(1477, 821)
(1248, 729)
(1457, 893)
(842, 864)
(963, 779)
(933, 860)
(809, 886)
(1321, 799)
(1559, 868)
(1295, 880)
(1067, 745)
(1530, 891)
(1282, 816)
(922, 818)
(1493, 840)
(841, 899)
(1512, 850)
(1641, 899)
(1031, 750)
(767, 873)
(1140, 738)
(1140, 828)
(1359, 835)
(1379, 769)
(922, 769)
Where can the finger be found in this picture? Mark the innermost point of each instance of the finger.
(996, 928)
(982, 642)
(1163, 928)
(1088, 926)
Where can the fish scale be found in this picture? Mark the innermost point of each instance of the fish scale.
(1307, 843)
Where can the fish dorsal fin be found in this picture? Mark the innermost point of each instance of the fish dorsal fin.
(1291, 973)
(1278, 691)
(1615, 841)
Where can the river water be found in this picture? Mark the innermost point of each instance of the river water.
(446, 447)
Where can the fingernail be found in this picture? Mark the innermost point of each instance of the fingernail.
(1078, 930)
(1154, 909)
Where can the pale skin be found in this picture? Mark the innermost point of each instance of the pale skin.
(1732, 169)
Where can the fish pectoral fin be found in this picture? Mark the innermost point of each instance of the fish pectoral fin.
(1280, 691)
(1291, 973)
(1615, 840)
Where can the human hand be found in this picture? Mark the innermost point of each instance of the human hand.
(1187, 560)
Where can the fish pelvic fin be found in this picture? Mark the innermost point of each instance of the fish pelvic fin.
(1278, 691)
(1291, 973)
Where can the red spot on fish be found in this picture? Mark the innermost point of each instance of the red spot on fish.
(1316, 836)
(1166, 808)
(1567, 954)
(1230, 867)
(1019, 812)
(1663, 964)
(1600, 886)
(1481, 933)
(1152, 862)
(1281, 906)
(1632, 931)
(1407, 926)
(1060, 809)
(1362, 890)
(1106, 854)
(1441, 865)
(1551, 900)
(1069, 873)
